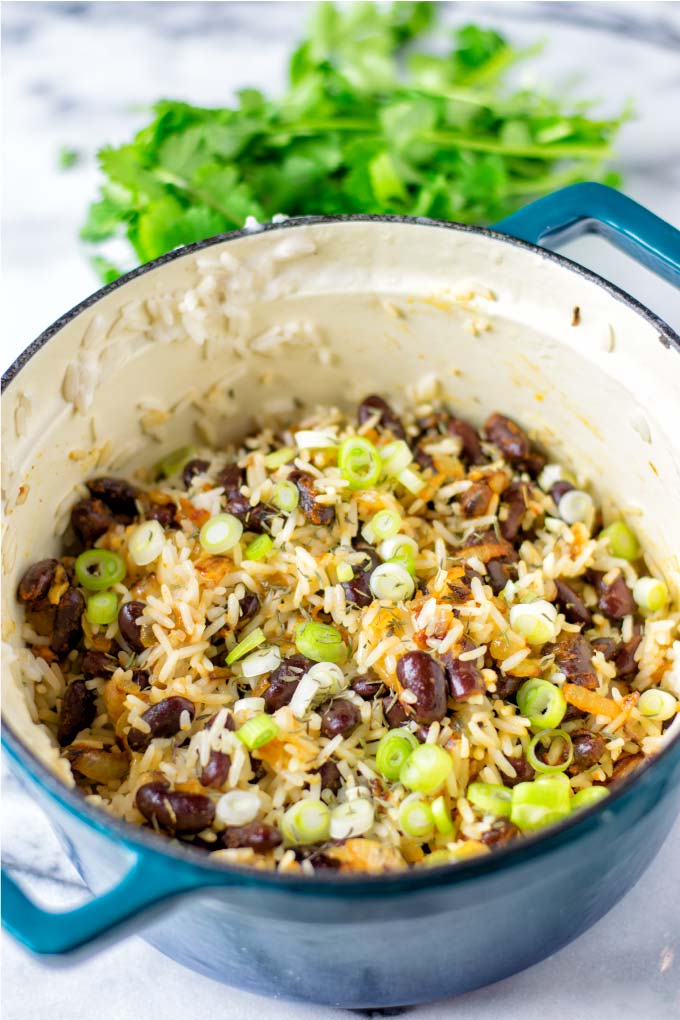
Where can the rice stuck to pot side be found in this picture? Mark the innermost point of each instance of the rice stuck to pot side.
(358, 643)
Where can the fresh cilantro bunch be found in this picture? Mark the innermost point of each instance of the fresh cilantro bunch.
(369, 124)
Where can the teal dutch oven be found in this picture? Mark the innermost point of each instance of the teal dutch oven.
(325, 310)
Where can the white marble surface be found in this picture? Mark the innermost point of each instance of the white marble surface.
(78, 75)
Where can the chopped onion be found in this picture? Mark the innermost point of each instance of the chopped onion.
(392, 582)
(264, 660)
(146, 543)
(351, 819)
(238, 807)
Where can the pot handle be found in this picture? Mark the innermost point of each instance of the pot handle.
(595, 208)
(152, 878)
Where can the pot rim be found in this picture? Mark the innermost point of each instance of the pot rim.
(135, 837)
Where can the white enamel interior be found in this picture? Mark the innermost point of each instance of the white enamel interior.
(325, 313)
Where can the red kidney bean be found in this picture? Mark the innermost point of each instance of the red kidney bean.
(284, 680)
(625, 767)
(90, 519)
(317, 513)
(97, 664)
(129, 628)
(358, 590)
(388, 419)
(77, 712)
(463, 676)
(249, 607)
(193, 467)
(475, 501)
(174, 811)
(501, 570)
(499, 834)
(164, 513)
(624, 654)
(372, 558)
(331, 777)
(606, 645)
(588, 748)
(215, 771)
(163, 719)
(615, 599)
(118, 495)
(472, 446)
(319, 860)
(460, 588)
(37, 581)
(507, 686)
(258, 836)
(342, 717)
(510, 439)
(515, 499)
(559, 489)
(574, 657)
(141, 678)
(367, 687)
(419, 673)
(259, 518)
(67, 622)
(231, 478)
(573, 606)
(524, 771)
(394, 712)
(423, 459)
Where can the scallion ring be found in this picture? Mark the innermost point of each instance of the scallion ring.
(174, 462)
(145, 544)
(537, 804)
(576, 506)
(490, 799)
(321, 642)
(542, 702)
(279, 457)
(586, 798)
(359, 463)
(442, 816)
(220, 534)
(237, 807)
(261, 661)
(258, 731)
(534, 620)
(102, 608)
(351, 819)
(393, 750)
(426, 770)
(98, 569)
(247, 644)
(259, 548)
(285, 497)
(622, 542)
(411, 481)
(657, 704)
(396, 456)
(650, 593)
(416, 818)
(551, 735)
(307, 821)
(392, 583)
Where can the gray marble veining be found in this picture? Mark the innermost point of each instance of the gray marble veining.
(80, 74)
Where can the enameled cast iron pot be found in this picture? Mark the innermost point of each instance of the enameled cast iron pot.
(326, 311)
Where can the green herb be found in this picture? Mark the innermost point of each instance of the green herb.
(67, 158)
(368, 124)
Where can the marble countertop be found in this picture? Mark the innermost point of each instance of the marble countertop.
(79, 74)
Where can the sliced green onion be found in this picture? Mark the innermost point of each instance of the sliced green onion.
(220, 534)
(279, 457)
(657, 704)
(586, 798)
(306, 822)
(248, 644)
(344, 572)
(237, 807)
(442, 816)
(359, 463)
(552, 473)
(411, 481)
(311, 439)
(320, 642)
(174, 462)
(393, 750)
(98, 569)
(264, 660)
(402, 550)
(557, 778)
(351, 819)
(145, 544)
(534, 620)
(258, 731)
(415, 818)
(426, 770)
(576, 505)
(490, 798)
(385, 524)
(650, 593)
(321, 682)
(392, 583)
(542, 703)
(259, 548)
(102, 608)
(622, 542)
(535, 805)
(551, 735)
(285, 497)
(396, 456)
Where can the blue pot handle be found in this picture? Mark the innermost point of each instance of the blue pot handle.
(151, 879)
(585, 208)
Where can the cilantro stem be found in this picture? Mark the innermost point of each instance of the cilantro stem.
(566, 150)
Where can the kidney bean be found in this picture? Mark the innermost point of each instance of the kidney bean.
(507, 686)
(625, 767)
(501, 570)
(164, 513)
(259, 518)
(141, 678)
(515, 500)
(388, 419)
(510, 439)
(342, 717)
(574, 657)
(67, 622)
(487, 546)
(524, 771)
(119, 496)
(317, 513)
(472, 446)
(533, 464)
(128, 626)
(319, 860)
(463, 676)
(499, 834)
(573, 606)
(588, 749)
(366, 687)
(174, 811)
(249, 607)
(615, 599)
(231, 478)
(229, 723)
(258, 836)
(331, 777)
(163, 719)
(460, 588)
(37, 581)
(215, 772)
(624, 654)
(560, 489)
(606, 645)
(97, 664)
(422, 458)
(474, 502)
(372, 558)
(193, 467)
(419, 673)
(284, 680)
(90, 519)
(358, 590)
(77, 712)
(394, 712)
